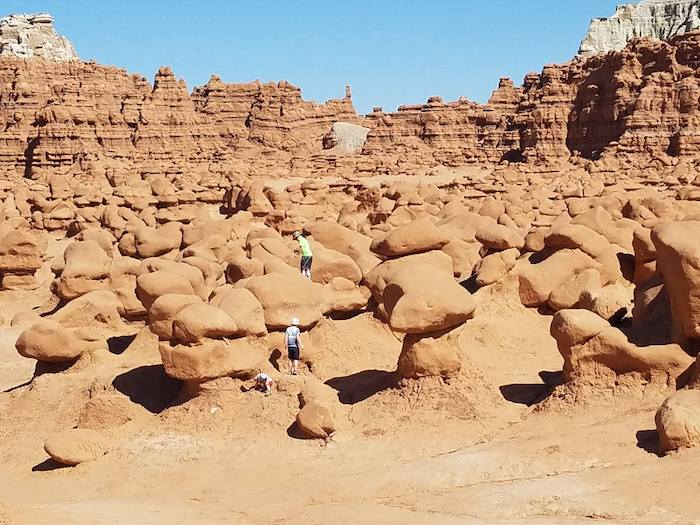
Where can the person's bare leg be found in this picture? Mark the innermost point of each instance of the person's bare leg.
(296, 367)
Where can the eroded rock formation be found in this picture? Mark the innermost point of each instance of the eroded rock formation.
(33, 36)
(661, 19)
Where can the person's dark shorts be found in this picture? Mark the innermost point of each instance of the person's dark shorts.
(306, 263)
(293, 352)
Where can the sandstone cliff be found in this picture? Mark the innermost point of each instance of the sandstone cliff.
(28, 36)
(662, 19)
(636, 105)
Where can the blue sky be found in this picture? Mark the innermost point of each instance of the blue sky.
(391, 52)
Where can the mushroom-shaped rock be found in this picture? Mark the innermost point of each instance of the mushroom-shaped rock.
(211, 358)
(420, 235)
(316, 419)
(430, 355)
(122, 281)
(574, 327)
(417, 300)
(377, 279)
(49, 342)
(609, 352)
(199, 321)
(75, 446)
(577, 236)
(20, 251)
(191, 273)
(465, 256)
(678, 421)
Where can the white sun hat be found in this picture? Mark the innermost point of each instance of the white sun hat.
(295, 321)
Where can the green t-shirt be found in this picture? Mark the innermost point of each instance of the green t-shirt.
(304, 245)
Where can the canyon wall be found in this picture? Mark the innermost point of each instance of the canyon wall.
(66, 117)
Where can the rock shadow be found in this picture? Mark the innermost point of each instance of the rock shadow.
(362, 385)
(118, 344)
(42, 367)
(293, 431)
(16, 387)
(531, 393)
(275, 357)
(648, 440)
(470, 284)
(48, 465)
(149, 386)
(524, 393)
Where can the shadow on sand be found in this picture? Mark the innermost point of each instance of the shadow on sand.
(149, 386)
(362, 385)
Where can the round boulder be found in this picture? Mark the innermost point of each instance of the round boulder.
(678, 421)
(75, 446)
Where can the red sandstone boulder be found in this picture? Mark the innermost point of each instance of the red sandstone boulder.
(244, 308)
(285, 296)
(164, 309)
(592, 349)
(677, 421)
(49, 342)
(160, 241)
(417, 300)
(199, 321)
(377, 279)
(210, 359)
(87, 268)
(77, 445)
(679, 264)
(316, 419)
(420, 235)
(151, 286)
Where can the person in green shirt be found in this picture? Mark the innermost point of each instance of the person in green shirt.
(306, 255)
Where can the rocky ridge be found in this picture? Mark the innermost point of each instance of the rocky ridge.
(661, 19)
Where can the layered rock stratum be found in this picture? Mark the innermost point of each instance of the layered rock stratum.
(661, 19)
(33, 36)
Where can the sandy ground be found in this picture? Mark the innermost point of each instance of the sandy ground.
(475, 452)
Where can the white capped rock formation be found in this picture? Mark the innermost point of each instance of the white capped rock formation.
(346, 137)
(33, 36)
(662, 19)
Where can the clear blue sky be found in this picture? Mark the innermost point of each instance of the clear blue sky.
(391, 52)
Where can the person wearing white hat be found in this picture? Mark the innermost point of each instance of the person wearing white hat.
(292, 343)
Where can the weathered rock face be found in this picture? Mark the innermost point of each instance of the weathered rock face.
(100, 121)
(662, 19)
(33, 36)
(111, 133)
